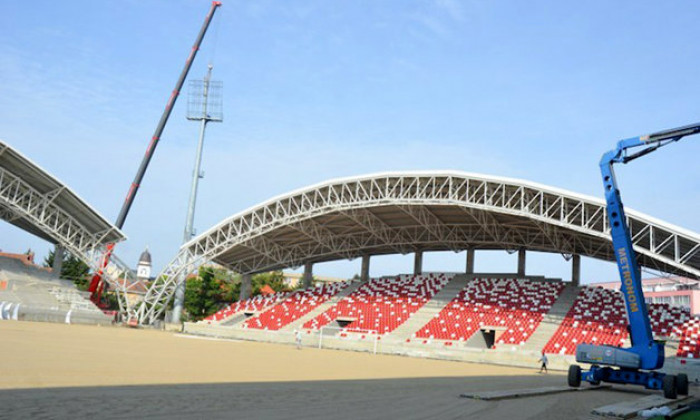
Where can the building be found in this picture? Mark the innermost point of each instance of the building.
(676, 291)
(292, 280)
(143, 269)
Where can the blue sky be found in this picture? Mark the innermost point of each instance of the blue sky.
(317, 89)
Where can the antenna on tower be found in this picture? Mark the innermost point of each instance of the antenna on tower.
(204, 104)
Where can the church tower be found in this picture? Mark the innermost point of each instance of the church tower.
(143, 270)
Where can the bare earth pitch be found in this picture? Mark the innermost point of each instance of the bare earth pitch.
(71, 371)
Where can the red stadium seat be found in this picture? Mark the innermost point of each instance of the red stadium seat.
(383, 304)
(515, 305)
(294, 307)
(598, 316)
(254, 304)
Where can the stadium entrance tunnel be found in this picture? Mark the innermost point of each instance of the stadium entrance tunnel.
(342, 323)
(414, 212)
(485, 338)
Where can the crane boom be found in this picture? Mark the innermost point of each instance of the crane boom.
(96, 284)
(164, 119)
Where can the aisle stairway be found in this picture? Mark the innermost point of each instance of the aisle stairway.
(236, 312)
(238, 318)
(550, 323)
(432, 308)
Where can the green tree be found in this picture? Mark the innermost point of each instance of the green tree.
(274, 279)
(208, 292)
(213, 288)
(72, 269)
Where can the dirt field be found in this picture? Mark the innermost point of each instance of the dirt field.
(59, 355)
(69, 371)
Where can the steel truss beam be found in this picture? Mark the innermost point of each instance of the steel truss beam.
(377, 228)
(19, 200)
(496, 213)
(321, 235)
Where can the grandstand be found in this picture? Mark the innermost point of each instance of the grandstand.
(418, 212)
(507, 318)
(510, 308)
(32, 293)
(37, 202)
(492, 318)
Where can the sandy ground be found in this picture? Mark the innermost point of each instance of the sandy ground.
(68, 371)
(60, 355)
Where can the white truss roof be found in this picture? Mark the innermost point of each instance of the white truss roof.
(386, 197)
(29, 194)
(404, 212)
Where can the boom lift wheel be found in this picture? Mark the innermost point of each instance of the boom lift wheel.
(670, 388)
(594, 383)
(574, 376)
(682, 384)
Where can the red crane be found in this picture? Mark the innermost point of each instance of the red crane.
(97, 283)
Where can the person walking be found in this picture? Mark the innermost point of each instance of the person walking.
(544, 361)
(297, 338)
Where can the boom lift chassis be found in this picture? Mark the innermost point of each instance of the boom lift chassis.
(637, 364)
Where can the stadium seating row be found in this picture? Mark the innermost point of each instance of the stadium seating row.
(513, 307)
(598, 316)
(689, 336)
(251, 305)
(294, 306)
(382, 304)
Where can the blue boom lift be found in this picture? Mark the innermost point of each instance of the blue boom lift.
(637, 364)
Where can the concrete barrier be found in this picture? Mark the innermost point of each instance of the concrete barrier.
(21, 312)
(433, 349)
(386, 345)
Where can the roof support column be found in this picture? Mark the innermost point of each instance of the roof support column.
(521, 262)
(178, 304)
(576, 270)
(308, 278)
(57, 261)
(471, 253)
(246, 287)
(418, 263)
(364, 272)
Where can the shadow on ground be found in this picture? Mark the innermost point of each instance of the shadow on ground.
(423, 398)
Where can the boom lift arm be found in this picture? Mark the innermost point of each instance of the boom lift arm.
(637, 364)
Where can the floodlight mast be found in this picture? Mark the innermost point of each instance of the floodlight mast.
(637, 364)
(96, 284)
(204, 117)
(197, 173)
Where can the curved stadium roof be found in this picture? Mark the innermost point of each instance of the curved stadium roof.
(35, 201)
(402, 212)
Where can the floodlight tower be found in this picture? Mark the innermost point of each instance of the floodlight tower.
(205, 105)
